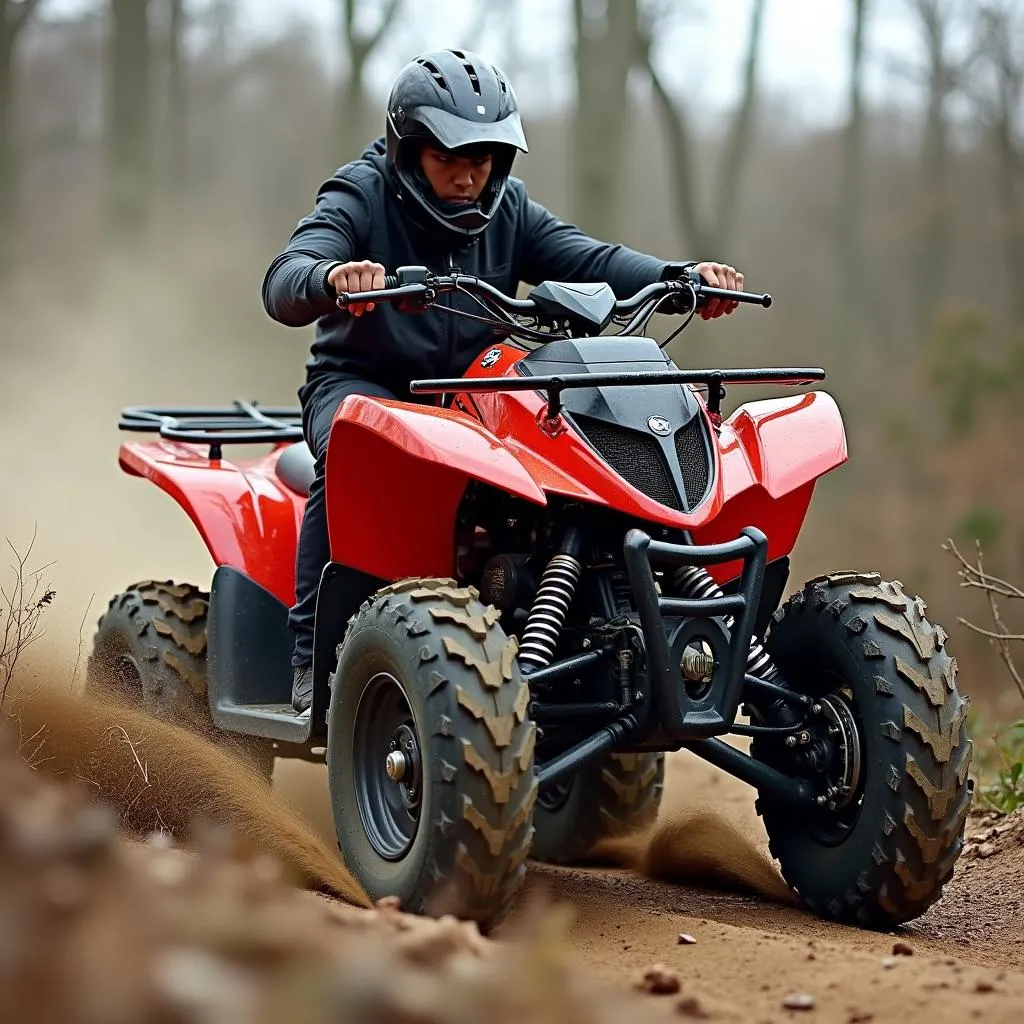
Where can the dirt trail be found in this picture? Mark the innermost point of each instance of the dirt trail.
(702, 871)
(754, 948)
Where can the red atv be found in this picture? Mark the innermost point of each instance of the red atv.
(581, 566)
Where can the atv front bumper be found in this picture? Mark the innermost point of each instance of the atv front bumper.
(682, 708)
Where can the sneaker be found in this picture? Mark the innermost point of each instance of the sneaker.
(302, 689)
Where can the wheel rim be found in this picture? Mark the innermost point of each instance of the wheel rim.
(838, 731)
(388, 767)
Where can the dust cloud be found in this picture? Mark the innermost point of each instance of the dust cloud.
(163, 778)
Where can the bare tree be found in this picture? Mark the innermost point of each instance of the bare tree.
(851, 244)
(999, 49)
(174, 159)
(942, 77)
(701, 236)
(14, 16)
(605, 50)
(129, 137)
(351, 101)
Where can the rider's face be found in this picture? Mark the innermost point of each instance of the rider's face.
(458, 179)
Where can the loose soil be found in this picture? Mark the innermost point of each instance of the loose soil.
(257, 912)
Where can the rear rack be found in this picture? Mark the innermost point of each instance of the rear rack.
(240, 423)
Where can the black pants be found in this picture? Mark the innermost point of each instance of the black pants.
(320, 401)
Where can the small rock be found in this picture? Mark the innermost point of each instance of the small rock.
(860, 1017)
(888, 962)
(811, 956)
(686, 940)
(986, 850)
(659, 980)
(799, 1001)
(903, 949)
(691, 1006)
(984, 985)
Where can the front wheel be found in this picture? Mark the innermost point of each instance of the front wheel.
(430, 753)
(887, 750)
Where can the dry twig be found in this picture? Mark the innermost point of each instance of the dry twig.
(21, 608)
(975, 576)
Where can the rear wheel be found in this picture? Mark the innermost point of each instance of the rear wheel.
(887, 749)
(430, 752)
(150, 651)
(616, 796)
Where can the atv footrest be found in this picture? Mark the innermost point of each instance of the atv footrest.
(687, 707)
(272, 721)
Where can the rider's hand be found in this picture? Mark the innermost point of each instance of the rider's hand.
(719, 275)
(362, 276)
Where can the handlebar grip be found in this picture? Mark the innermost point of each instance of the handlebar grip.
(378, 295)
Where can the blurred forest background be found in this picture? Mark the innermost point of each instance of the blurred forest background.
(155, 155)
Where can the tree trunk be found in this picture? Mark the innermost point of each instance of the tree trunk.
(932, 258)
(351, 95)
(9, 177)
(129, 137)
(14, 16)
(851, 242)
(604, 53)
(736, 153)
(1009, 170)
(176, 133)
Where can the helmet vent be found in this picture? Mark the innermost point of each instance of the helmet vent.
(471, 71)
(436, 75)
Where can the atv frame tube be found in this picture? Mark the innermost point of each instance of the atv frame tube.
(680, 715)
(555, 384)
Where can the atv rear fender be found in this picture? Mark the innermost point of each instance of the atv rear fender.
(245, 517)
(773, 452)
(395, 475)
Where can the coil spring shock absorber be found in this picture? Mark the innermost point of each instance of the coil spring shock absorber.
(551, 606)
(695, 582)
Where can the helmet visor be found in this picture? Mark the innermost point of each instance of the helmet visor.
(453, 131)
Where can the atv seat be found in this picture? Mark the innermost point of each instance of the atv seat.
(296, 468)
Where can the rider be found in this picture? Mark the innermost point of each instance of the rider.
(435, 192)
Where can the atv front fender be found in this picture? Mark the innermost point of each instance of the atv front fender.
(785, 443)
(245, 517)
(773, 453)
(395, 475)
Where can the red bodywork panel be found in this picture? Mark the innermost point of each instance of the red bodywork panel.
(396, 473)
(419, 460)
(246, 516)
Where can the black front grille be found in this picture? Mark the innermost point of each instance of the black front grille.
(693, 460)
(636, 457)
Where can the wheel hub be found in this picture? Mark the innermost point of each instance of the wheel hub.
(844, 766)
(402, 765)
(388, 767)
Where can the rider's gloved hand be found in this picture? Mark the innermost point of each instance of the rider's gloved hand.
(719, 275)
(361, 276)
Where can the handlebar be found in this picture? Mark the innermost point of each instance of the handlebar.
(418, 283)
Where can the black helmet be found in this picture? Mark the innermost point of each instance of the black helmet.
(451, 99)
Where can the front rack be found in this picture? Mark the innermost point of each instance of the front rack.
(240, 423)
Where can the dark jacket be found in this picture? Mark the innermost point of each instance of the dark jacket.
(359, 217)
